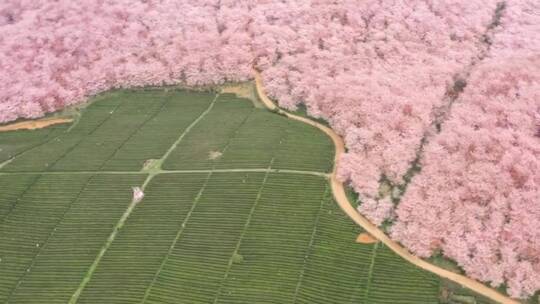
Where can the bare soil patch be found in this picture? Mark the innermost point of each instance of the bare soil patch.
(213, 155)
(366, 238)
(35, 124)
(245, 90)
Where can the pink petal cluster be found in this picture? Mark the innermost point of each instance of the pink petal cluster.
(138, 194)
(381, 72)
(477, 198)
(375, 69)
(378, 210)
(56, 53)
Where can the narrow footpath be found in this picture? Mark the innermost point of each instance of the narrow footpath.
(341, 198)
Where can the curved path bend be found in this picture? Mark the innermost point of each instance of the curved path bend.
(341, 198)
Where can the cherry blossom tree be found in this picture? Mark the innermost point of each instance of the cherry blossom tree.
(446, 87)
(53, 54)
(477, 198)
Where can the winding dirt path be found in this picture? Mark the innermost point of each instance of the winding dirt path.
(34, 124)
(342, 200)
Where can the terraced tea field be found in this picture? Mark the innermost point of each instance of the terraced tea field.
(237, 209)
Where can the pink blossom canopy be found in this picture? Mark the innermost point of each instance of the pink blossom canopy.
(437, 99)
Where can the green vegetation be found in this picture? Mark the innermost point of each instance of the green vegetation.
(452, 293)
(301, 110)
(242, 136)
(53, 232)
(119, 132)
(15, 142)
(202, 234)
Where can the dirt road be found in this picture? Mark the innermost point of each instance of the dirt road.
(34, 124)
(342, 200)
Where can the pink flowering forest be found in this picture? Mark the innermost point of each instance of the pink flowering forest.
(439, 101)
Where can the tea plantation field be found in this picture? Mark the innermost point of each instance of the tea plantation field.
(237, 209)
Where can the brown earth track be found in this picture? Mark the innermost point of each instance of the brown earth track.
(342, 200)
(34, 124)
(366, 238)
